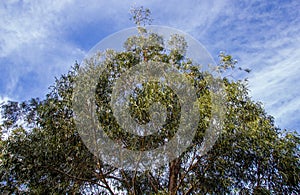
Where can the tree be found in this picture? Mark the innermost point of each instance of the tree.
(44, 152)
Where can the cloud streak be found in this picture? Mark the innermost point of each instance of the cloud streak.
(42, 39)
(31, 49)
(264, 36)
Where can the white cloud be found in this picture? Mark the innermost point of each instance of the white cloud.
(25, 21)
(277, 85)
(264, 35)
(34, 34)
(31, 43)
(193, 17)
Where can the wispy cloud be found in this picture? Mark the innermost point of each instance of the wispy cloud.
(31, 49)
(264, 35)
(42, 39)
(25, 21)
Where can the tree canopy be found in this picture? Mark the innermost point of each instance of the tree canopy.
(44, 153)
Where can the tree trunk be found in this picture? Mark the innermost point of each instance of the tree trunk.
(173, 177)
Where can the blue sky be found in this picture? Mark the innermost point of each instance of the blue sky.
(42, 39)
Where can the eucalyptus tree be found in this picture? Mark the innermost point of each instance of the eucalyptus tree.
(44, 151)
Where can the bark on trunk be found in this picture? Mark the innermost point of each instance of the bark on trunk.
(173, 177)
